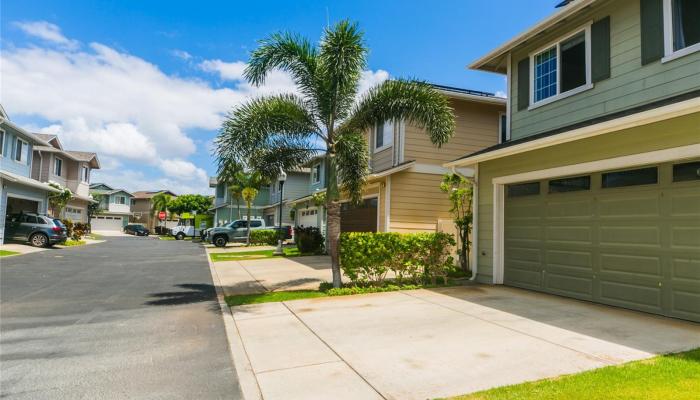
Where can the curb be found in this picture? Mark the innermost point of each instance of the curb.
(244, 370)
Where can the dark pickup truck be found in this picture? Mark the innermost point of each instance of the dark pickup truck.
(237, 230)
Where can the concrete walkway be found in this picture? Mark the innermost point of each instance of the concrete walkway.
(435, 343)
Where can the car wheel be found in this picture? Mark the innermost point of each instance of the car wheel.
(39, 240)
(180, 236)
(220, 241)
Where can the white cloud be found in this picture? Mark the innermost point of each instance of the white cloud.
(182, 54)
(46, 31)
(500, 93)
(125, 108)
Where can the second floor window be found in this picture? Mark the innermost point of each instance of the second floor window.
(57, 166)
(562, 67)
(384, 135)
(21, 151)
(2, 143)
(85, 174)
(220, 191)
(682, 26)
(316, 174)
(120, 199)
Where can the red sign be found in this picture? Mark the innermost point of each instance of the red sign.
(161, 215)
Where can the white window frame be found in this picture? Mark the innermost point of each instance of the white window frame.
(669, 53)
(4, 142)
(387, 143)
(316, 174)
(116, 200)
(22, 160)
(557, 43)
(56, 161)
(85, 174)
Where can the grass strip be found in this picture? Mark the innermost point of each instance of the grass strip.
(671, 376)
(254, 255)
(7, 253)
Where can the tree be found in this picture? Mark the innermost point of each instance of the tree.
(94, 208)
(228, 175)
(160, 202)
(189, 203)
(59, 200)
(287, 130)
(460, 192)
(250, 182)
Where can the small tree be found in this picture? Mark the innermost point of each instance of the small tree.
(190, 202)
(250, 182)
(160, 202)
(94, 208)
(460, 192)
(59, 200)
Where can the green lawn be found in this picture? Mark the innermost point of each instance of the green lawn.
(5, 253)
(71, 243)
(674, 376)
(271, 297)
(253, 255)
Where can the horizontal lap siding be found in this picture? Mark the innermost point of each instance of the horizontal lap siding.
(417, 202)
(476, 128)
(676, 132)
(383, 159)
(630, 84)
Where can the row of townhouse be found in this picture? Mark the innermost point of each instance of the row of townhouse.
(587, 178)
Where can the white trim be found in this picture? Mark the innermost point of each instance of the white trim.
(559, 16)
(387, 205)
(4, 142)
(391, 170)
(24, 197)
(669, 53)
(402, 140)
(55, 158)
(586, 29)
(379, 204)
(435, 169)
(14, 150)
(475, 225)
(630, 121)
(633, 160)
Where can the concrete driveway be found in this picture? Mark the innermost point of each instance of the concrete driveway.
(434, 343)
(131, 318)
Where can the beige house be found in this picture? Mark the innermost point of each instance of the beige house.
(71, 169)
(141, 205)
(403, 191)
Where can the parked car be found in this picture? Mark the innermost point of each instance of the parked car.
(38, 230)
(136, 230)
(237, 231)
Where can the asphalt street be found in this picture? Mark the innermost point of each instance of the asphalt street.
(131, 318)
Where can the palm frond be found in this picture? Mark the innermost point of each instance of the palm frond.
(413, 101)
(352, 159)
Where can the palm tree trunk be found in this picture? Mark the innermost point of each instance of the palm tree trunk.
(333, 216)
(247, 238)
(238, 204)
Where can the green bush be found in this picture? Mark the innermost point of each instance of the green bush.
(264, 236)
(80, 230)
(367, 257)
(69, 227)
(308, 239)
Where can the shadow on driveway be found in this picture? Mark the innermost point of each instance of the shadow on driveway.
(193, 293)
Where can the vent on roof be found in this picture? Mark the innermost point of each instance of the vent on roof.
(563, 3)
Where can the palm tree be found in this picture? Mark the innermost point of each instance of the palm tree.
(228, 175)
(287, 130)
(160, 202)
(250, 183)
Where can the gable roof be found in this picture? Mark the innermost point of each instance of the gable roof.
(494, 61)
(50, 139)
(148, 194)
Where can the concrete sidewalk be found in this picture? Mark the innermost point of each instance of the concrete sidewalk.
(437, 343)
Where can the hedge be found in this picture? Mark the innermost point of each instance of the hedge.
(264, 236)
(366, 258)
(309, 239)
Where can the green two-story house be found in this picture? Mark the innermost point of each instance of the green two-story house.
(594, 191)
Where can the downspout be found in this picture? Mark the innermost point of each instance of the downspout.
(475, 221)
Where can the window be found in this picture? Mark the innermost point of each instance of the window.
(503, 127)
(316, 173)
(29, 219)
(384, 135)
(120, 199)
(681, 27)
(220, 190)
(570, 184)
(523, 189)
(21, 151)
(85, 174)
(633, 177)
(255, 223)
(562, 67)
(57, 166)
(2, 143)
(686, 172)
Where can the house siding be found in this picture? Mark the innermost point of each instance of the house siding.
(476, 127)
(630, 84)
(675, 132)
(417, 203)
(8, 161)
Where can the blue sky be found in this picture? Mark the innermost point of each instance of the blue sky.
(146, 83)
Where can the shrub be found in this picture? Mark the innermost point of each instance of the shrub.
(366, 258)
(308, 239)
(79, 230)
(69, 227)
(264, 236)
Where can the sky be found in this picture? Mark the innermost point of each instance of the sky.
(146, 84)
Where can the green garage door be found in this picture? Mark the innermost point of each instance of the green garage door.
(627, 238)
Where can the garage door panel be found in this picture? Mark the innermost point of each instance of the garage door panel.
(685, 203)
(525, 254)
(617, 207)
(524, 232)
(574, 260)
(566, 210)
(569, 234)
(569, 285)
(524, 210)
(627, 294)
(649, 266)
(686, 269)
(630, 236)
(523, 277)
(685, 237)
(685, 303)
